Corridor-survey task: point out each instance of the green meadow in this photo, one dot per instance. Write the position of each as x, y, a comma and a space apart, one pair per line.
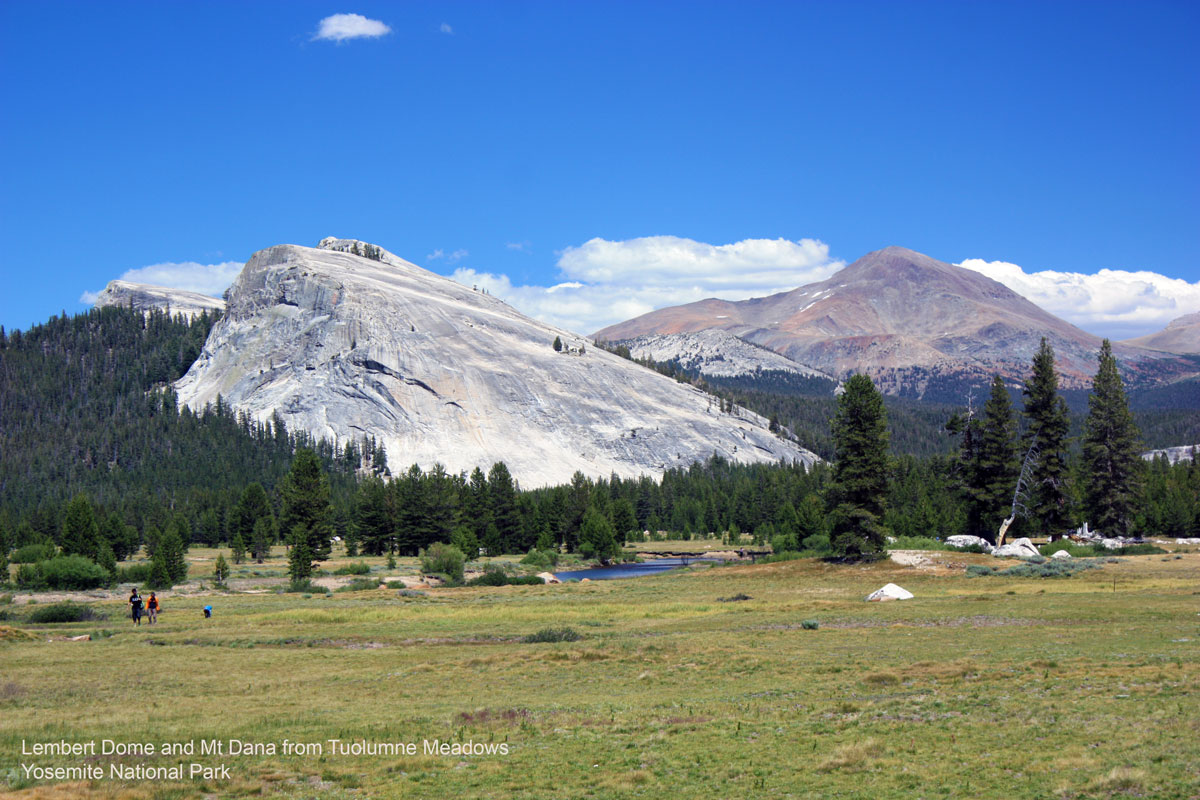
979, 687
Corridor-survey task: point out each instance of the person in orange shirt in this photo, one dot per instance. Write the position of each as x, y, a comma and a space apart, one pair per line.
152, 608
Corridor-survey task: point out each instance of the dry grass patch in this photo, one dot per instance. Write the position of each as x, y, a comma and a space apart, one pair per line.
881, 678
852, 756
1120, 779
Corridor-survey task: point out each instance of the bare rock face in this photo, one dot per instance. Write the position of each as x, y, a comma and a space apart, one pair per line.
347, 340
144, 297
906, 319
717, 353
1174, 454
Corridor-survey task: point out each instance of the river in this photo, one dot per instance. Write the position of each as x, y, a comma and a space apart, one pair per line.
632, 570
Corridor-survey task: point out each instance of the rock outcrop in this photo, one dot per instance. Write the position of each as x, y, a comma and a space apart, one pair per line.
347, 340
887, 592
1174, 454
1021, 548
144, 297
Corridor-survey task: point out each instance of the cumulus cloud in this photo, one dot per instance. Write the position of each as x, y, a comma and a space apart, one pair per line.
446, 29
342, 27
209, 279
605, 282
1111, 302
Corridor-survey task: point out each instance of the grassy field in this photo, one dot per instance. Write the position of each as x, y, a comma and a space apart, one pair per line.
986, 687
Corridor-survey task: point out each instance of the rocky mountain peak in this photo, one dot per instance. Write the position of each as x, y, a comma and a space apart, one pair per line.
346, 344
144, 297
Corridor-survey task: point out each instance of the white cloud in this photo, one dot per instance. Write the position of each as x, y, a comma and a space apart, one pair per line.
606, 282
1111, 302
446, 29
520, 247
457, 255
209, 279
341, 27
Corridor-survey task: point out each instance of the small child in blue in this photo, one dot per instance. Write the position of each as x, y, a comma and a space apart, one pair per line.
207, 612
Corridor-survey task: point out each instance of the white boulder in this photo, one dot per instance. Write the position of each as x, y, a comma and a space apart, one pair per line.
1021, 548
548, 577
1061, 554
889, 592
968, 541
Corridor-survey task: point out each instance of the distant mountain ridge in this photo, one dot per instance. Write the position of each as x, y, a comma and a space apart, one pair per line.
346, 340
909, 321
1182, 335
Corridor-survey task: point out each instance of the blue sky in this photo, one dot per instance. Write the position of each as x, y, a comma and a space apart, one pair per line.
641, 153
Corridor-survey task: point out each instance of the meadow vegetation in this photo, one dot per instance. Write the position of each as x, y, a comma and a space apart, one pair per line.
1004, 687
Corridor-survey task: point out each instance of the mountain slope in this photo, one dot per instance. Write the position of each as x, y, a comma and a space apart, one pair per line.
144, 297
906, 319
347, 339
715, 353
1182, 335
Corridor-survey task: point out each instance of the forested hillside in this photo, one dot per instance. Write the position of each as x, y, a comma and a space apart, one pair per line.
89, 427
86, 407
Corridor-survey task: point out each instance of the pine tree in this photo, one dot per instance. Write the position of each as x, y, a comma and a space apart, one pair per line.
80, 533
1110, 451
860, 473
305, 496
558, 345
1049, 423
596, 538
374, 518
252, 506
503, 501
262, 538
237, 548
300, 557
221, 570
988, 463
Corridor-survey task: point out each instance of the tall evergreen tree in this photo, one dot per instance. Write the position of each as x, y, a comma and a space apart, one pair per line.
502, 495
1049, 424
305, 496
252, 506
986, 469
860, 473
1110, 451
374, 518
80, 532
300, 555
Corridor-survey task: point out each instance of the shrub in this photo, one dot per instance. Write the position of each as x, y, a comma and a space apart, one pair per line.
444, 558
33, 553
553, 635
63, 612
810, 624
29, 576
1046, 569
304, 585
410, 593
737, 598
541, 559
357, 568
918, 543
136, 573
496, 578
359, 585
73, 573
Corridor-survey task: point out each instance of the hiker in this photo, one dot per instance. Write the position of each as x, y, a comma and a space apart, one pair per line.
135, 606
207, 612
152, 608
